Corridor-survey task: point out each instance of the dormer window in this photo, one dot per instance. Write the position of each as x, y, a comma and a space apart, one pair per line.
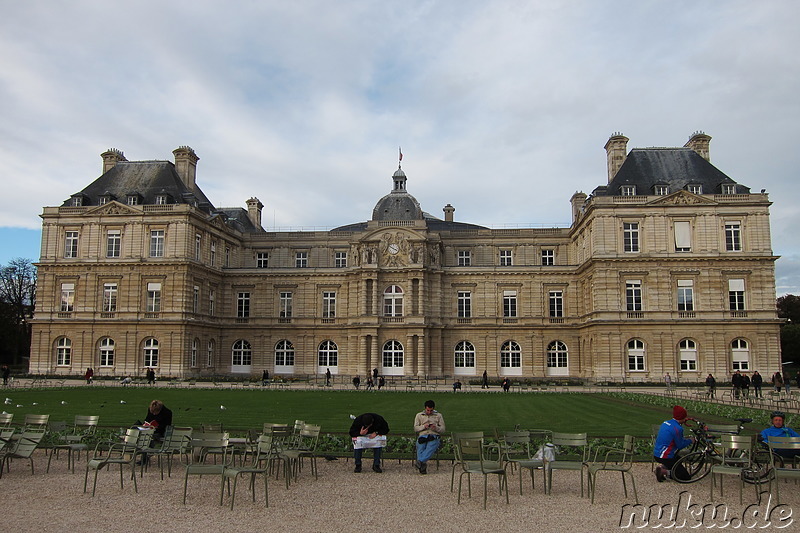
133, 199
728, 188
627, 190
77, 201
161, 199
661, 190
694, 188
103, 200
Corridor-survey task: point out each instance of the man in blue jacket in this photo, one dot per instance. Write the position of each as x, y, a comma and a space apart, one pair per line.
777, 429
670, 439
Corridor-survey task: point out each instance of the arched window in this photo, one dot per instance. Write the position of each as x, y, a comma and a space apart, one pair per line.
193, 355
687, 349
393, 301
510, 355
465, 357
210, 353
636, 355
284, 357
151, 353
393, 358
107, 346
557, 359
328, 354
740, 355
242, 356
63, 352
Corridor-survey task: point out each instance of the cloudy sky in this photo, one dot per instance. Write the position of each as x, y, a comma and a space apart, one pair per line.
502, 108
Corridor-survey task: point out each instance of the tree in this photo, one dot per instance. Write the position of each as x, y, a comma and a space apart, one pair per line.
789, 307
17, 300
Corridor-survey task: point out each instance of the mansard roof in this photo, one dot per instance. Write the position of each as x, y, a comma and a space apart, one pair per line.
238, 218
676, 167
147, 180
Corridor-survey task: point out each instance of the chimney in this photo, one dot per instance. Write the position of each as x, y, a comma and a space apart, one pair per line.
699, 142
616, 150
448, 212
111, 157
254, 207
186, 165
577, 201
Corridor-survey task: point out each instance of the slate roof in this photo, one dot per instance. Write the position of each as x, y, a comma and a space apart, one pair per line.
239, 219
675, 167
433, 223
147, 179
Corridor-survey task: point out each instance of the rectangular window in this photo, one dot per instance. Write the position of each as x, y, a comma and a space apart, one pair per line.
340, 259
635, 361
661, 190
211, 300
109, 297
161, 200
133, 200
193, 362
548, 257
509, 304
213, 258
464, 258
301, 259
736, 294
77, 201
328, 304
506, 258
227, 256
728, 188
464, 304
113, 243
695, 189
195, 299
153, 297
627, 190
685, 295
157, 243
262, 259
556, 304
71, 244
243, 305
285, 305
198, 241
633, 295
630, 237
733, 236
683, 236
67, 297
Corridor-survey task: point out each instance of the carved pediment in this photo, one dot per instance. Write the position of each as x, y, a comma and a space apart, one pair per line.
682, 198
113, 208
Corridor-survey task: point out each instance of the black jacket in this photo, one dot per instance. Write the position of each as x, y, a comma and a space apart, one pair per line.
164, 419
379, 425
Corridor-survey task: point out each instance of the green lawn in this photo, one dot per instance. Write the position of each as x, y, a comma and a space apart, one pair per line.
598, 415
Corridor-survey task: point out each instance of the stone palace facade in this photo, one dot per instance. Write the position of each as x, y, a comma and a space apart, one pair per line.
667, 267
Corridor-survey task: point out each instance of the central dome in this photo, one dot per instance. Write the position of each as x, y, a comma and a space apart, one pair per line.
398, 204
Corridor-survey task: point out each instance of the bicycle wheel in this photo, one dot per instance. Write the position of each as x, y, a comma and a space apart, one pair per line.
696, 464
761, 471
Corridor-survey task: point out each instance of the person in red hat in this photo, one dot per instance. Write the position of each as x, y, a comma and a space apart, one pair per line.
670, 439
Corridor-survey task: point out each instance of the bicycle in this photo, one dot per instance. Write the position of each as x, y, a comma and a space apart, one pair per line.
705, 452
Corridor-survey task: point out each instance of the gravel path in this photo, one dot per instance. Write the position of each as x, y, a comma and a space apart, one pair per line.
398, 500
